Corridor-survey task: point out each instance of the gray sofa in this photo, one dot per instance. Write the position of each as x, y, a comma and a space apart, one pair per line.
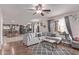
30, 39
75, 44
72, 42
33, 38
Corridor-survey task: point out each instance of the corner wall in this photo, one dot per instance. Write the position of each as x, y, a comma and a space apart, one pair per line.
74, 22
1, 24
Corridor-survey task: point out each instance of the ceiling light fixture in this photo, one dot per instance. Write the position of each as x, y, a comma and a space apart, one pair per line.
38, 11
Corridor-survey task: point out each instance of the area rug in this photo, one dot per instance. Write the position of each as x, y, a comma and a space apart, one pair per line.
39, 49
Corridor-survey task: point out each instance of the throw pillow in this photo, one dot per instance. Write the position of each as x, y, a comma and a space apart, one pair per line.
76, 38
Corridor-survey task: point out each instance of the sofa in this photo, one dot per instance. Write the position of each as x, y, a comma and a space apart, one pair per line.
30, 39
75, 42
33, 38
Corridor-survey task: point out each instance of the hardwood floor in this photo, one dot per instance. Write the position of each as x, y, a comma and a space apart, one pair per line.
13, 39
15, 48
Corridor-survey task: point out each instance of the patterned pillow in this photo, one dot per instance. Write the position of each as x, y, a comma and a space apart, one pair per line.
76, 38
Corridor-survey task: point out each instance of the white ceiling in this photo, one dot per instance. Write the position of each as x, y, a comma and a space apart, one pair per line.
18, 13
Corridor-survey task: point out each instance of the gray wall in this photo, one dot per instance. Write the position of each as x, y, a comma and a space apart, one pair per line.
44, 29
74, 22
1, 21
0, 32
52, 26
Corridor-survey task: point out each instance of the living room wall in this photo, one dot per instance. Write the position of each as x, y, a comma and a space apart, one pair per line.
1, 21
74, 22
43, 26
0, 31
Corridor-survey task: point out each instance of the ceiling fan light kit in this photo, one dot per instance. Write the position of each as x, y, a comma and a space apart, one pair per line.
39, 9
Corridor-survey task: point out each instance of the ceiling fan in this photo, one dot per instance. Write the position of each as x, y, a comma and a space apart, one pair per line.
39, 9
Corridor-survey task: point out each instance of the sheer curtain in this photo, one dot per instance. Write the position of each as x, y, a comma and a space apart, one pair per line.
62, 25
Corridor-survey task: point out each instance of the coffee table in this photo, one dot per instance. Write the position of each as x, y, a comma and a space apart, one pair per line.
49, 42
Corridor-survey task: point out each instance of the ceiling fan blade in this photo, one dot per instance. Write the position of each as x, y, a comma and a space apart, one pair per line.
30, 9
42, 14
47, 10
39, 6
34, 13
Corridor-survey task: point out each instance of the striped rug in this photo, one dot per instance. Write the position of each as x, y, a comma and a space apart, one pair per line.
39, 49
